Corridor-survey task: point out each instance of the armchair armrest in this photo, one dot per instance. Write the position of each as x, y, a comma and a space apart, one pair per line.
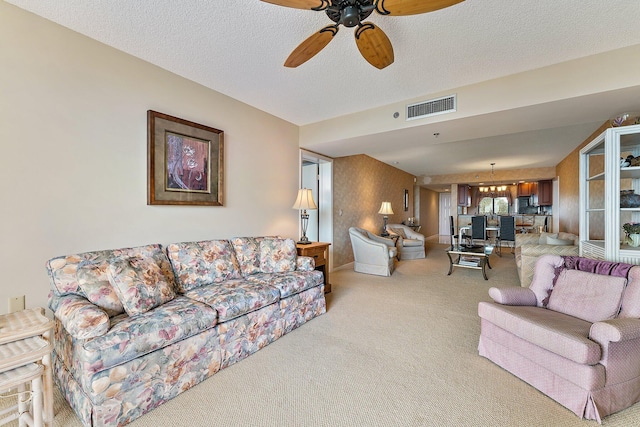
615, 330
513, 296
81, 318
527, 239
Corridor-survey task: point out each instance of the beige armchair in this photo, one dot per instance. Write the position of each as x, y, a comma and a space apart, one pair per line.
410, 243
372, 254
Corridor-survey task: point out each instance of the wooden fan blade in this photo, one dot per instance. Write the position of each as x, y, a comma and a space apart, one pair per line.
301, 4
374, 45
412, 7
311, 46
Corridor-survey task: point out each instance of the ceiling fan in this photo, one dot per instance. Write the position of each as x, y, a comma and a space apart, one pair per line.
372, 42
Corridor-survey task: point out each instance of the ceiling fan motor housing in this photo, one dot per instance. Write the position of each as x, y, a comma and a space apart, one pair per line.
350, 12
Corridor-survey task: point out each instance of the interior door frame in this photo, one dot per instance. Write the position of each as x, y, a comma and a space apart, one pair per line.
324, 196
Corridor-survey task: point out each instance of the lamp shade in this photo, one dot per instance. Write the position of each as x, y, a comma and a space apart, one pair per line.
385, 209
304, 200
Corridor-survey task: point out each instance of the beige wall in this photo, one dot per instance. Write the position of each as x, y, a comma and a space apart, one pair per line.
73, 136
361, 184
568, 171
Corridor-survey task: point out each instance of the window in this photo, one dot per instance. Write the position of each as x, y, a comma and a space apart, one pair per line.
493, 206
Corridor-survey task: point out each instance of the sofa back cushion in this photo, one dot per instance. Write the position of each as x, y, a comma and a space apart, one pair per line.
202, 263
587, 296
141, 283
278, 255
85, 274
247, 251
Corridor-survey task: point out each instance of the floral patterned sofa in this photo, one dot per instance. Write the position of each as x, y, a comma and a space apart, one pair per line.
135, 327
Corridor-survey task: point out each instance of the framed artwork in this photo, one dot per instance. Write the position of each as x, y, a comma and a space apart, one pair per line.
185, 162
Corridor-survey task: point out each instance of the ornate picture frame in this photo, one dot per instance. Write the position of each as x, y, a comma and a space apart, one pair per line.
185, 162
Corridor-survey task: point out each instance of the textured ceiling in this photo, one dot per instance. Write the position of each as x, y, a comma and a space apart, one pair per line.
238, 48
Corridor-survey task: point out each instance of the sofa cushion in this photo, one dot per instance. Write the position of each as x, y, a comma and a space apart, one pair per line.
203, 263
247, 251
63, 270
234, 298
587, 296
94, 282
278, 255
132, 337
289, 283
140, 284
412, 243
564, 335
559, 242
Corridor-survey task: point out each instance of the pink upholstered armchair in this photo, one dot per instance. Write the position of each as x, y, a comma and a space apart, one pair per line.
574, 334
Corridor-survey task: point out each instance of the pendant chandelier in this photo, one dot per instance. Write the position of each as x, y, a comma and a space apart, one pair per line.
493, 188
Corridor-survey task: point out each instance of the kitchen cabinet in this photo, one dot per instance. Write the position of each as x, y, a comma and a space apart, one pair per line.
464, 195
527, 189
601, 180
545, 193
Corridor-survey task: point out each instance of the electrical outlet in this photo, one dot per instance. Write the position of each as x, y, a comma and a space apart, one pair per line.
16, 303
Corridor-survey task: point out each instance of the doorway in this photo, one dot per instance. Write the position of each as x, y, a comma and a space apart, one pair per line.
316, 173
444, 231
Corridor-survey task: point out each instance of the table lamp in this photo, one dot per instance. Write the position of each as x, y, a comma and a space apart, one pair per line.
385, 211
303, 202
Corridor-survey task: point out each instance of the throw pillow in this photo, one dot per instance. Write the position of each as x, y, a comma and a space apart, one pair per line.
559, 242
399, 232
93, 281
140, 284
588, 296
278, 255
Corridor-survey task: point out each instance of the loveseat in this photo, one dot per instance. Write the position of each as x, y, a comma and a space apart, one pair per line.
410, 243
135, 327
529, 247
574, 334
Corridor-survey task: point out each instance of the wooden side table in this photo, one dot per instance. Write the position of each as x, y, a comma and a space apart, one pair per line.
319, 251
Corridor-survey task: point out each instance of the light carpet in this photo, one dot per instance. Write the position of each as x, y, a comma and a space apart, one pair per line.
390, 351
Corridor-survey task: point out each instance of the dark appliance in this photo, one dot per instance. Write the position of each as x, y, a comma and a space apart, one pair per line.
526, 206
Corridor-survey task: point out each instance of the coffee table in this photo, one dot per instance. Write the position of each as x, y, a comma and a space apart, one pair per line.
474, 257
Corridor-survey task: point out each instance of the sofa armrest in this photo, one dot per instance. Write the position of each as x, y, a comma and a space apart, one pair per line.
305, 263
513, 296
80, 318
538, 250
615, 330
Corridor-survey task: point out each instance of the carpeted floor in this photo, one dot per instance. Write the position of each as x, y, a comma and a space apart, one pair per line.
390, 351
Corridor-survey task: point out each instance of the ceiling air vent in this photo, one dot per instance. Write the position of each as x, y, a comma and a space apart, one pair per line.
446, 104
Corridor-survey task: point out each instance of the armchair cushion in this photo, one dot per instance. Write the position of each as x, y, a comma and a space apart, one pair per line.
397, 230
587, 296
